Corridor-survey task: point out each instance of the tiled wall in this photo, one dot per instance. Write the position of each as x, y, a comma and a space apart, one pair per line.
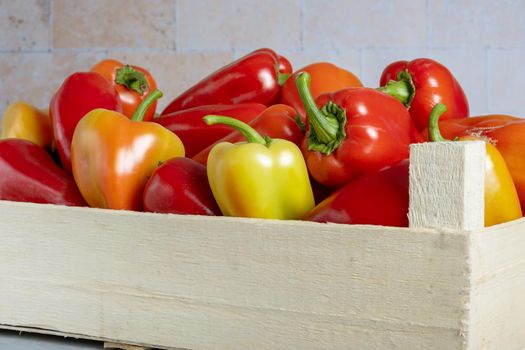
481, 41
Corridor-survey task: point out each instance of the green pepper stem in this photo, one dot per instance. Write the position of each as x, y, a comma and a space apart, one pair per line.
282, 78
434, 134
251, 135
402, 89
138, 116
327, 126
132, 79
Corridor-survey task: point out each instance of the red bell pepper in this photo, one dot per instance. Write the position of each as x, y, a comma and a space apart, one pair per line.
180, 186
376, 199
195, 134
505, 132
255, 77
277, 121
421, 84
352, 132
284, 67
79, 94
29, 174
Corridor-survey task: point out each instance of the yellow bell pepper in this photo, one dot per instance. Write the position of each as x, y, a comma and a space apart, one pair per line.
23, 121
263, 178
502, 203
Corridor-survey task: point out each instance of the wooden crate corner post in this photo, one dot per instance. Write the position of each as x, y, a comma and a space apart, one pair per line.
447, 185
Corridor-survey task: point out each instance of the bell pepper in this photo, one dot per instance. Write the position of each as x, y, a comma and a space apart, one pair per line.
284, 66
505, 132
196, 135
23, 121
29, 174
133, 84
113, 156
252, 78
356, 131
79, 94
325, 77
277, 121
263, 178
180, 186
380, 198
502, 203
422, 83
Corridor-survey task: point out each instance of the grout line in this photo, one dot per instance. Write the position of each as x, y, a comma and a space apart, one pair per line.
361, 64
428, 27
488, 71
50, 25
302, 25
176, 7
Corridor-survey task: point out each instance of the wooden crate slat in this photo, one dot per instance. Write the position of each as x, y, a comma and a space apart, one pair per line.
196, 283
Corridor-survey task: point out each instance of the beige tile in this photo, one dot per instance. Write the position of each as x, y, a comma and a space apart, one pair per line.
24, 24
35, 77
240, 24
175, 72
505, 82
115, 23
338, 24
477, 23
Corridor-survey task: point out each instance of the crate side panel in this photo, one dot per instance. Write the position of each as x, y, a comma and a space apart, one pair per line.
497, 310
225, 283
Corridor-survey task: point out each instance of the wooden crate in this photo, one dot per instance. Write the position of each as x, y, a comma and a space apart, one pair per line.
191, 282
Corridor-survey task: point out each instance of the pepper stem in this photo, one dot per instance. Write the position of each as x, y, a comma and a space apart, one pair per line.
327, 126
402, 89
282, 78
434, 134
251, 135
132, 79
138, 116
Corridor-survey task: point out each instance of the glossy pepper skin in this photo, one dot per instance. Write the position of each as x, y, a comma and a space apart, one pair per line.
277, 121
421, 84
113, 156
352, 132
507, 133
325, 77
79, 94
263, 178
180, 186
29, 174
195, 134
133, 84
23, 121
501, 198
379, 198
252, 78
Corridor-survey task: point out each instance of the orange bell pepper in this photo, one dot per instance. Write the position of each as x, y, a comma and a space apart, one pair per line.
113, 156
326, 77
501, 198
505, 132
23, 121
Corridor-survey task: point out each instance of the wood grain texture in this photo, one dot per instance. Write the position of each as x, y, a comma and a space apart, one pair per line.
120, 346
228, 283
447, 185
497, 307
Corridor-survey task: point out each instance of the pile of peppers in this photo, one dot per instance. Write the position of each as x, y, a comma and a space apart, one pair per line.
255, 138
